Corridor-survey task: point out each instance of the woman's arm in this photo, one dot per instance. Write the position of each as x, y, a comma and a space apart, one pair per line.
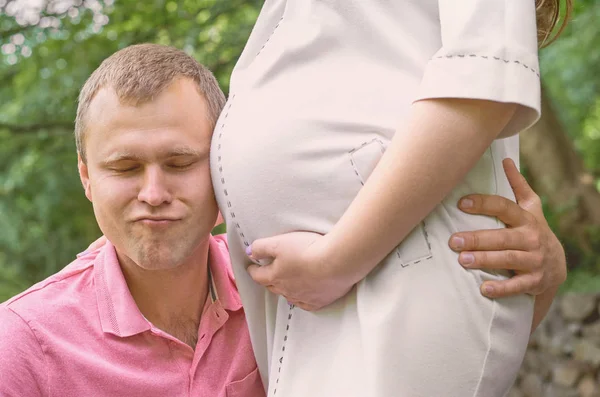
440, 143
482, 83
426, 159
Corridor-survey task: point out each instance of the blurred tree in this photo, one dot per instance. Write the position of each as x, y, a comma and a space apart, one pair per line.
562, 151
49, 47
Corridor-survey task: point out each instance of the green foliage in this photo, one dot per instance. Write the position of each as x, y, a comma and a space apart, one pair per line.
45, 218
46, 56
582, 281
570, 71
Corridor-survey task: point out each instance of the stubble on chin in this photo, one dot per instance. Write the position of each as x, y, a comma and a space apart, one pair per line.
157, 254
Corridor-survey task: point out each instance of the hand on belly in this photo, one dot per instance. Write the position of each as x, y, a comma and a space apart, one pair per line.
299, 269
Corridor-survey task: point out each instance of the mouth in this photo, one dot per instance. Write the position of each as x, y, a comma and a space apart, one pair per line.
156, 222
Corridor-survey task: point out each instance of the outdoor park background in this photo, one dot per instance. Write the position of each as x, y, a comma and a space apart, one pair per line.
49, 48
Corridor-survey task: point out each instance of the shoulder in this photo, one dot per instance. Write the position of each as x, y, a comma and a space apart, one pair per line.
43, 299
12, 326
17, 339
22, 360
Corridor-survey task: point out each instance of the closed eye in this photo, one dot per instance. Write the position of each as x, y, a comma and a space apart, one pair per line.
123, 170
181, 166
123, 166
182, 162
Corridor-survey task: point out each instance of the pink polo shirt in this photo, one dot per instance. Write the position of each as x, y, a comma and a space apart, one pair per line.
80, 333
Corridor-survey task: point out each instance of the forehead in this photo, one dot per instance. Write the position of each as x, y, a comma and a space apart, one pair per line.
175, 118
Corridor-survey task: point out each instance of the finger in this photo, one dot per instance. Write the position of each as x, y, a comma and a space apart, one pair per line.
517, 285
307, 307
290, 301
517, 181
497, 260
500, 207
274, 290
525, 195
489, 240
261, 274
263, 248
294, 302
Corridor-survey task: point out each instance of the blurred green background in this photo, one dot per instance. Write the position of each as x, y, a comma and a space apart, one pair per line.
48, 48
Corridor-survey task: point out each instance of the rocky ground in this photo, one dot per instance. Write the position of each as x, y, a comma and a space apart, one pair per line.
563, 358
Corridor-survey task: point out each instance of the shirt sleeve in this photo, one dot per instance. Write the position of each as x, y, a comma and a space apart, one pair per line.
489, 52
22, 365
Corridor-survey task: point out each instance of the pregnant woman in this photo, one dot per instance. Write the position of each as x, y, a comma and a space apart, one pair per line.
360, 124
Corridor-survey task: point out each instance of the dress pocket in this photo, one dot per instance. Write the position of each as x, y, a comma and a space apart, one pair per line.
415, 247
250, 386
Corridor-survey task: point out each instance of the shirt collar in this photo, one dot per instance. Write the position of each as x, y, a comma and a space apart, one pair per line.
222, 281
119, 314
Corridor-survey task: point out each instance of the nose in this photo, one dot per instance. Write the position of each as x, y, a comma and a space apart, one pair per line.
154, 190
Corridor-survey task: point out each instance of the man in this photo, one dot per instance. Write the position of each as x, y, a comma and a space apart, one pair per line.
154, 311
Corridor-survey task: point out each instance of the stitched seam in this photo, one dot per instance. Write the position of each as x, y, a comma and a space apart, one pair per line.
274, 29
489, 349
230, 206
222, 177
423, 258
366, 143
351, 152
426, 235
40, 286
39, 344
285, 338
490, 58
220, 163
414, 261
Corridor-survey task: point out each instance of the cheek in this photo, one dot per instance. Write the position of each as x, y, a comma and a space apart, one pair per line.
202, 191
112, 196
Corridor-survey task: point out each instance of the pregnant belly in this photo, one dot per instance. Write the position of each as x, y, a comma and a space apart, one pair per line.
291, 150
275, 172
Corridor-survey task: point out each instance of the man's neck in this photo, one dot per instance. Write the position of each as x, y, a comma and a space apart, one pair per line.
172, 300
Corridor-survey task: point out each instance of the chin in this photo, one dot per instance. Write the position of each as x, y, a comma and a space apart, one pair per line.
161, 259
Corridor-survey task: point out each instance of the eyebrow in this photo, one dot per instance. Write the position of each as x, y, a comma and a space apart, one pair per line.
129, 156
183, 151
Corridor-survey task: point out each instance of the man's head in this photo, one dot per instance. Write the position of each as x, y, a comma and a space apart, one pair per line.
143, 130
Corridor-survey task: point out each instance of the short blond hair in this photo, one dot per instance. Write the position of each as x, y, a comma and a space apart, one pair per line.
139, 73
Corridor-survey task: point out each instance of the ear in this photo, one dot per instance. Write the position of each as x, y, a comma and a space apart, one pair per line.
84, 176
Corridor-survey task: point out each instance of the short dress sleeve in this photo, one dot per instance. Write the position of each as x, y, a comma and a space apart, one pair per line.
489, 51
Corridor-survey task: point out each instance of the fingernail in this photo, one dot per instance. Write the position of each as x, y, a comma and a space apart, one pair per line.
457, 242
82, 253
488, 290
466, 203
466, 259
249, 250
